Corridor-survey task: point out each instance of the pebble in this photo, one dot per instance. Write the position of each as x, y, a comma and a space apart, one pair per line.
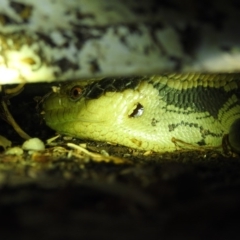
34, 144
14, 151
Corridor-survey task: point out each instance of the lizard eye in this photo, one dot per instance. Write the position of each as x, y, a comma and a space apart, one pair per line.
75, 93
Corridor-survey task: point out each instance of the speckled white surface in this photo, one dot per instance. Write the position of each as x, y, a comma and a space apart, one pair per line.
58, 40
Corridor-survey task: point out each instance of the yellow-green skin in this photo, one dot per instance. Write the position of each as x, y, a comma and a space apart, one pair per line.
111, 117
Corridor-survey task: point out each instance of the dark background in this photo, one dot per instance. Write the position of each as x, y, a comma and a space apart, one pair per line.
183, 195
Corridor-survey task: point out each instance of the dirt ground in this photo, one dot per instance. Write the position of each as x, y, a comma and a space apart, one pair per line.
112, 191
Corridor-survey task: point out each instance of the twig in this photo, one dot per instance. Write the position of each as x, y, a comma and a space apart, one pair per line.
98, 157
12, 122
